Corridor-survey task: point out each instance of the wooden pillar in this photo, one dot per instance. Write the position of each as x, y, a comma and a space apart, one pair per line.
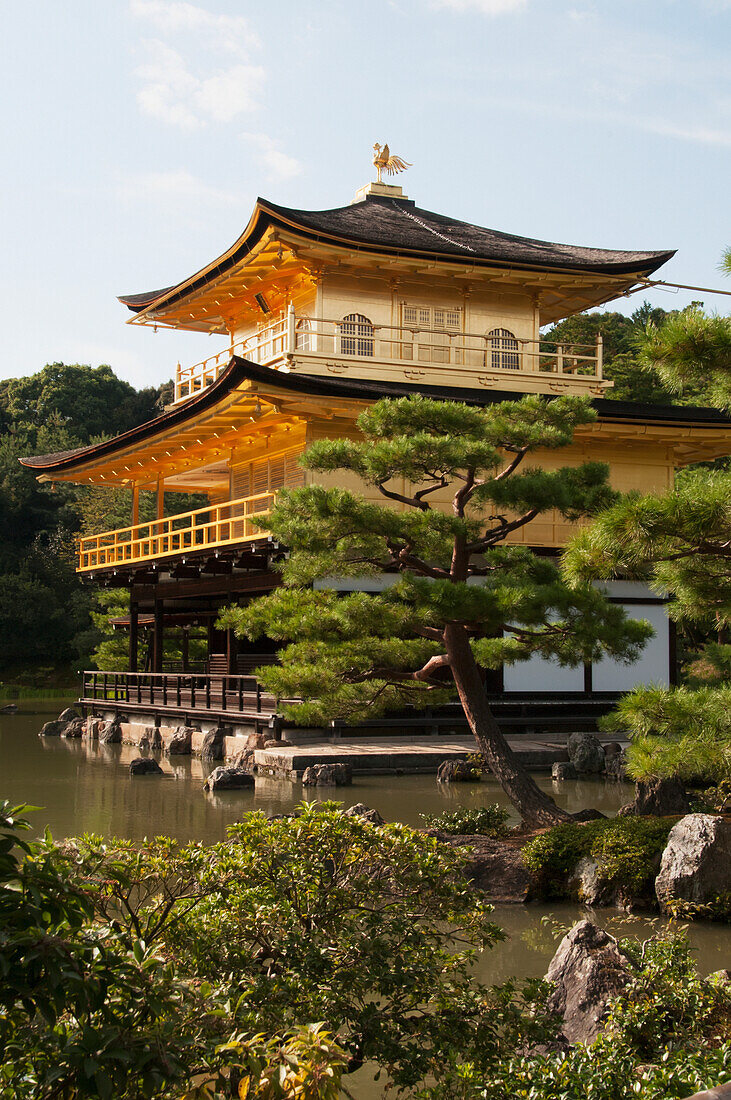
231, 651
160, 498
133, 635
185, 649
135, 505
158, 639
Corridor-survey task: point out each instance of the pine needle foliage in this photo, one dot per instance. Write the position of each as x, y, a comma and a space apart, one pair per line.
691, 348
461, 596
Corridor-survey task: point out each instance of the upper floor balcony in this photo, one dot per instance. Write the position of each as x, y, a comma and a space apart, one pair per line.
429, 348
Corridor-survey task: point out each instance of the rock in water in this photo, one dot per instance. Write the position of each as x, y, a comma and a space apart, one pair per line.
180, 744
585, 753
144, 765
365, 813
214, 743
559, 770
494, 867
328, 775
456, 771
228, 779
695, 868
111, 733
659, 797
9, 708
52, 729
588, 970
244, 760
68, 715
73, 728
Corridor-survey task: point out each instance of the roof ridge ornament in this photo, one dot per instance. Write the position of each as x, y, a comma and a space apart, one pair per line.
386, 162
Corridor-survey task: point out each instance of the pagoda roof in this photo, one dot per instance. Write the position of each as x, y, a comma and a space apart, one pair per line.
240, 370
384, 224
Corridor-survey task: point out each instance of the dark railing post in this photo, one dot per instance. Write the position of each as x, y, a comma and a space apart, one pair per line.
241, 693
192, 692
208, 692
178, 681
224, 685
138, 681
258, 697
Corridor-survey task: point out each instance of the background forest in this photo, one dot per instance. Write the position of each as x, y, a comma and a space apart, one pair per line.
51, 624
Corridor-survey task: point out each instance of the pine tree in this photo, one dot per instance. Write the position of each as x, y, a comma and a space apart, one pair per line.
462, 599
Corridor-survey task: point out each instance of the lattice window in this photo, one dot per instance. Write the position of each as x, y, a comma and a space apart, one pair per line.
268, 474
504, 349
356, 335
303, 335
433, 339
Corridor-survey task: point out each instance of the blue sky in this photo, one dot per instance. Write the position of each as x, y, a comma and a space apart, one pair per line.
136, 135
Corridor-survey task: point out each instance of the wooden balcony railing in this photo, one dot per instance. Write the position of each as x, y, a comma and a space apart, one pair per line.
186, 691
406, 349
205, 528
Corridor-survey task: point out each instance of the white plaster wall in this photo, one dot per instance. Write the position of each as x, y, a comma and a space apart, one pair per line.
540, 674
653, 666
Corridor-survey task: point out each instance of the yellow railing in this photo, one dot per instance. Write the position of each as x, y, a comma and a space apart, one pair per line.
205, 528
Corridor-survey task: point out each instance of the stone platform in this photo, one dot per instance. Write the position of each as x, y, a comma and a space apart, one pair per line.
410, 755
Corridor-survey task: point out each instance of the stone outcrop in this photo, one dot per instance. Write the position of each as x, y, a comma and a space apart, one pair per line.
456, 771
181, 742
9, 708
214, 743
328, 775
585, 753
68, 715
615, 767
695, 869
495, 867
588, 971
228, 779
145, 765
365, 813
561, 770
658, 797
93, 728
244, 760
257, 740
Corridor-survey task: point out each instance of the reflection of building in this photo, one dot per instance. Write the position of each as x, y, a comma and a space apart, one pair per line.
324, 312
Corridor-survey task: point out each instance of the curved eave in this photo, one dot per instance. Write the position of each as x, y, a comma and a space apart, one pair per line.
241, 370
268, 215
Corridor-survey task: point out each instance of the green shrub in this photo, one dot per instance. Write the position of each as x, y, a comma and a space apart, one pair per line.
484, 820
625, 849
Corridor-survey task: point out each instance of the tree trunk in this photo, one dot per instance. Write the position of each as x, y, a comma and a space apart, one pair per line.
535, 807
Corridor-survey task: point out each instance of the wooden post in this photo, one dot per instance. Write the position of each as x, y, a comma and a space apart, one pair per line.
599, 355
160, 498
157, 639
291, 330
133, 635
135, 505
231, 650
184, 648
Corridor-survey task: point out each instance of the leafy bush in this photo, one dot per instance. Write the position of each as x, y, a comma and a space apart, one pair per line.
464, 821
667, 1035
625, 848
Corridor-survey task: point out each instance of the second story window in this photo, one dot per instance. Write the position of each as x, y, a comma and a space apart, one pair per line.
304, 342
504, 349
356, 335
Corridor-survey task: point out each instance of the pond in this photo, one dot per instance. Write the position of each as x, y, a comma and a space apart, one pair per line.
86, 787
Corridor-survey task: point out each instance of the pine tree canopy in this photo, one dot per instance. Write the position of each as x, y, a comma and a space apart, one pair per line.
453, 576
683, 535
689, 350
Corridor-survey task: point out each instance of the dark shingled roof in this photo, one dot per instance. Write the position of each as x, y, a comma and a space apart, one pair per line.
358, 389
383, 224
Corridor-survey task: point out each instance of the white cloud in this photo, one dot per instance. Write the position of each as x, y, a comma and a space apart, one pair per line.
267, 154
189, 77
229, 32
178, 186
484, 7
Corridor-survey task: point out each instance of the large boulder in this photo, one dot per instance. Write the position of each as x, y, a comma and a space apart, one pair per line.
365, 813
456, 771
257, 740
68, 715
93, 728
9, 708
494, 867
245, 760
588, 971
585, 753
145, 765
328, 775
695, 869
228, 779
214, 743
181, 742
659, 798
111, 732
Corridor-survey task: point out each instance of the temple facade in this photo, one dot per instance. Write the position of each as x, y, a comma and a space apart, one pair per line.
323, 313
